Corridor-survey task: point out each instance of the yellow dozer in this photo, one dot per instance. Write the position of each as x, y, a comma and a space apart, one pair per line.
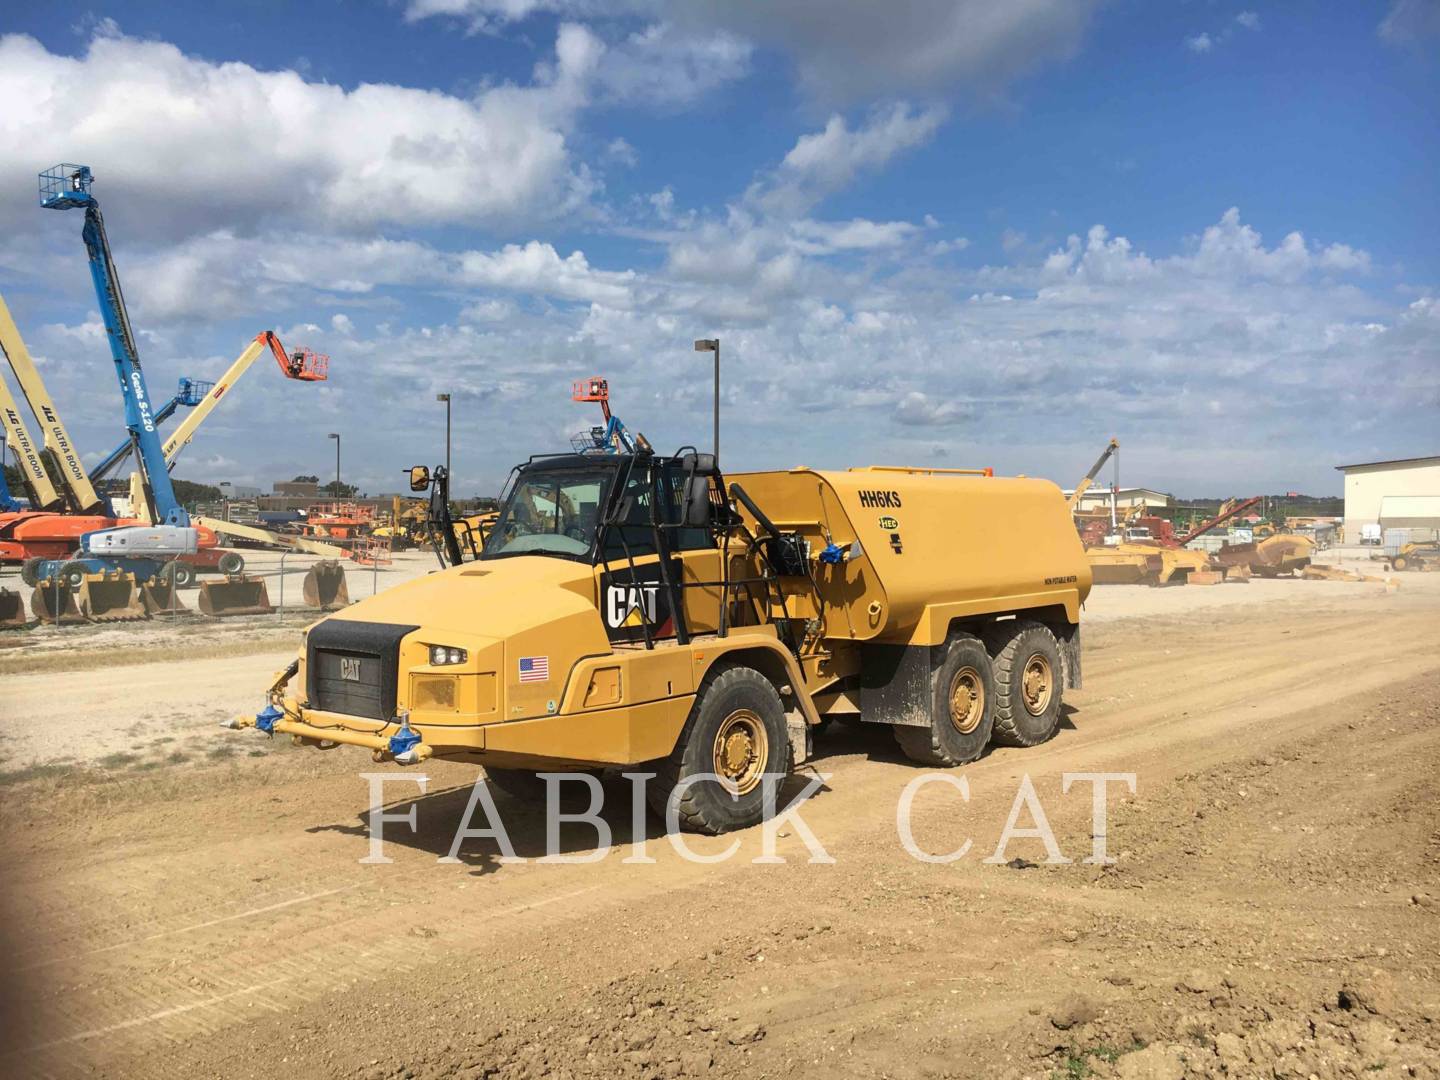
633, 609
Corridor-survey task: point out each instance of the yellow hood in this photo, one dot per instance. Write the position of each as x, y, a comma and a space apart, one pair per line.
496, 598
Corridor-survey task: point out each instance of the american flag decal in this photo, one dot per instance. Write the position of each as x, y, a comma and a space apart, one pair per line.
534, 669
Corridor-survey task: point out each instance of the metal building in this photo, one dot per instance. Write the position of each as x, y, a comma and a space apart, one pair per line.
1400, 494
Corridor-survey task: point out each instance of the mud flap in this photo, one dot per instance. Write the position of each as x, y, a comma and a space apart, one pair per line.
53, 601
235, 596
12, 611
799, 731
325, 587
160, 597
895, 686
112, 596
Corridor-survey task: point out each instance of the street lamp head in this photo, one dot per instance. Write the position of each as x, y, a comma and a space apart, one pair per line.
333, 435
442, 397
707, 345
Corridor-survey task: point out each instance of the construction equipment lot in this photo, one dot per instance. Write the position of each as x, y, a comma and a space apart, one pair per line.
1275, 906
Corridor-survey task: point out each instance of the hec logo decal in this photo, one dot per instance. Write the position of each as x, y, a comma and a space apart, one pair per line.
889, 524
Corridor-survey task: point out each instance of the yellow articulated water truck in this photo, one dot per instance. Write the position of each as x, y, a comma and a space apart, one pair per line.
634, 609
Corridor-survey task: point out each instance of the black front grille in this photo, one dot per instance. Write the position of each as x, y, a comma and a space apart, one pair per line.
353, 667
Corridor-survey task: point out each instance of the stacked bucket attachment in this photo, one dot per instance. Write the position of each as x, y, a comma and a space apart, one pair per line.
110, 596
325, 587
12, 611
54, 601
160, 597
235, 595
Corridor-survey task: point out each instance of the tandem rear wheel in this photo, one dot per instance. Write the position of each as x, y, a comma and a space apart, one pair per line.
962, 708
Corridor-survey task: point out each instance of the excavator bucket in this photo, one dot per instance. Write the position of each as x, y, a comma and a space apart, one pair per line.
236, 595
113, 596
325, 586
12, 611
53, 601
161, 598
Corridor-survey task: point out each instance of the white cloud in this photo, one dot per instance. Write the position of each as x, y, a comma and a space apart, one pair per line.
1250, 20
1200, 43
537, 268
185, 141
855, 49
1410, 21
859, 234
823, 162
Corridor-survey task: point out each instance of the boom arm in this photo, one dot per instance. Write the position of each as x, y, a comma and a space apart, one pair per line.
186, 431
1225, 515
27, 454
68, 186
32, 386
1089, 477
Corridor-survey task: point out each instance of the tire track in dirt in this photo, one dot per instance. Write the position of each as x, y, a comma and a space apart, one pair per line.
145, 1002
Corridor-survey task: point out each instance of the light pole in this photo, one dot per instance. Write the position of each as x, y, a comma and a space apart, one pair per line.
446, 399
336, 437
713, 345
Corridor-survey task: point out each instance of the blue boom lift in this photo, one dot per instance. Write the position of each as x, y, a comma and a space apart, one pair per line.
140, 550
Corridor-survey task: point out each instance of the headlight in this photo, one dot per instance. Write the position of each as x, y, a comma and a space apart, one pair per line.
442, 655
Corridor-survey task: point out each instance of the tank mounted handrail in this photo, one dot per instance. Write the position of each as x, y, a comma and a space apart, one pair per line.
914, 470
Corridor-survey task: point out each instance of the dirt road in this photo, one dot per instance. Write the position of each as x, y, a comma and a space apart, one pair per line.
1274, 908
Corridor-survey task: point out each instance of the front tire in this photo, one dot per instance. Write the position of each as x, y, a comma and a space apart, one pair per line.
962, 708
1029, 681
1400, 562
230, 563
72, 573
736, 730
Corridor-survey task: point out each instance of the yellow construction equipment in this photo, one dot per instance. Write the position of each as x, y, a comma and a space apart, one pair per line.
110, 596
57, 439
12, 610
233, 595
43, 495
1089, 478
1416, 556
324, 588
631, 608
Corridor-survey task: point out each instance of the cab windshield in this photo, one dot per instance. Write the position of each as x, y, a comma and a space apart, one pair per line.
551, 512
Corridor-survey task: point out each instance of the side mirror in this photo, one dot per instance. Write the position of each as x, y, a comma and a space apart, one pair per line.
419, 477
697, 501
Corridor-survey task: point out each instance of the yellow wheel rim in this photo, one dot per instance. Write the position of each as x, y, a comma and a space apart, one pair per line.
1038, 684
741, 750
967, 700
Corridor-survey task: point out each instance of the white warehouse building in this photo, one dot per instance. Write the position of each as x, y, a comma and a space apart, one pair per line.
1400, 494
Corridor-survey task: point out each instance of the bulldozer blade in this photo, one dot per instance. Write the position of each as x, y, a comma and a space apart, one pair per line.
12, 611
236, 595
54, 602
110, 597
161, 598
325, 586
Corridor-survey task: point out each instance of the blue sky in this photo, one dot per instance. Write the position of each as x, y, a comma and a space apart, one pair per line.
940, 232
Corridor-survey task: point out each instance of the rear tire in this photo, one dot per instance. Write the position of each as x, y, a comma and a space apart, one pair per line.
962, 708
230, 563
736, 729
180, 575
30, 570
1029, 683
